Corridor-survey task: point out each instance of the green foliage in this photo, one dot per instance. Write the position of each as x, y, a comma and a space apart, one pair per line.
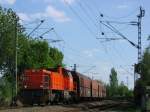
56, 56
144, 80
113, 82
124, 91
145, 68
37, 54
8, 20
6, 90
114, 89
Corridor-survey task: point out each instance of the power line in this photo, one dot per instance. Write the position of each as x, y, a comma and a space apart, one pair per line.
89, 69
82, 21
111, 17
109, 26
117, 22
119, 55
126, 71
91, 8
87, 14
41, 36
41, 22
108, 55
115, 49
80, 18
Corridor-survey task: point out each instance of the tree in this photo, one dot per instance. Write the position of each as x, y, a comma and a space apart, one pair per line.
145, 68
114, 89
144, 80
8, 20
113, 82
36, 55
124, 91
56, 57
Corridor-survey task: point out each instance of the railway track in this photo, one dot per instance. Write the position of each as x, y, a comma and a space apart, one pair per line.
94, 106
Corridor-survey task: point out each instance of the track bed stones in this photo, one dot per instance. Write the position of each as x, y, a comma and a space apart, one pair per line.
43, 109
94, 106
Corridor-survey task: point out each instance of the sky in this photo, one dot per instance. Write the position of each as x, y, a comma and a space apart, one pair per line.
77, 23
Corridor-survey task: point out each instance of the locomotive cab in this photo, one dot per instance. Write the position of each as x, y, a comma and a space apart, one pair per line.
35, 84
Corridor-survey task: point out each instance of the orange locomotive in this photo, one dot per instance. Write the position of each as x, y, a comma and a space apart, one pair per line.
58, 85
44, 86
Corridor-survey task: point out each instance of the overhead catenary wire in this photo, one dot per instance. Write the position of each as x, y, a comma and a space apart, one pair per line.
41, 22
118, 54
80, 18
111, 17
41, 36
92, 67
87, 14
117, 22
108, 25
108, 55
116, 31
82, 21
91, 9
127, 71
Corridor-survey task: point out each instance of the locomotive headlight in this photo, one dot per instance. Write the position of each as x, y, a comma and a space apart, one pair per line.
25, 86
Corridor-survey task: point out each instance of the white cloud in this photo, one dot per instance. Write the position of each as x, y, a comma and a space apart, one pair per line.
24, 17
10, 2
56, 14
50, 12
122, 6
